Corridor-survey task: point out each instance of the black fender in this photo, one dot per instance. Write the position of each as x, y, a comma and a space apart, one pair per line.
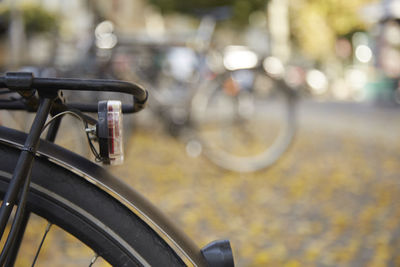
95, 174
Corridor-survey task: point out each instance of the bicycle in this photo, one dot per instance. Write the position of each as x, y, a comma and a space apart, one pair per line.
245, 117
37, 176
153, 62
241, 118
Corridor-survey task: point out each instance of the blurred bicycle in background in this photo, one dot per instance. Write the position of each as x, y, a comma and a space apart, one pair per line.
237, 107
232, 108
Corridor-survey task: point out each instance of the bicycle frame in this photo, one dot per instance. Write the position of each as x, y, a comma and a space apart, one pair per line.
21, 176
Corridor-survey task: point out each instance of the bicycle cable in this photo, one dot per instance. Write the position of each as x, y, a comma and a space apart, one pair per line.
75, 114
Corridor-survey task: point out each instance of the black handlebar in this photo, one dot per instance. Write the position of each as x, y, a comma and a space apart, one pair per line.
25, 81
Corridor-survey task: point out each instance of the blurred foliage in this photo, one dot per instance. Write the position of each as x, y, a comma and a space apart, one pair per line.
36, 18
4, 21
240, 9
316, 24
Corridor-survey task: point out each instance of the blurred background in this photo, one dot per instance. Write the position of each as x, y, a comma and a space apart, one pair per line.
309, 178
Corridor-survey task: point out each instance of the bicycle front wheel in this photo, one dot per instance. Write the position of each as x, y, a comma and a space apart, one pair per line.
243, 123
90, 214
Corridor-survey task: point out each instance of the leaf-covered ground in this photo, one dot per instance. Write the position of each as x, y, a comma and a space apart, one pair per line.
332, 200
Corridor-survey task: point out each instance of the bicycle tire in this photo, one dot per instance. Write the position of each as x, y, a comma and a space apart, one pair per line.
90, 214
250, 163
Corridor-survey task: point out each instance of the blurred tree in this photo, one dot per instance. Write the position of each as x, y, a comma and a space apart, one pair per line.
316, 24
4, 20
3, 25
36, 19
240, 9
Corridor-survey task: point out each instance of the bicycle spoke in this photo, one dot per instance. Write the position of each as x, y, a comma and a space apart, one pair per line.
41, 243
93, 260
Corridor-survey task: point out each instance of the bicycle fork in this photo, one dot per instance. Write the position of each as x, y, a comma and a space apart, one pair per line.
19, 184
